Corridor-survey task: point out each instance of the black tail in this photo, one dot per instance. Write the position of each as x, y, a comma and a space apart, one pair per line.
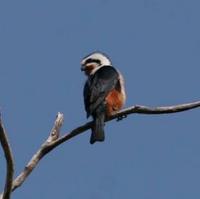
98, 129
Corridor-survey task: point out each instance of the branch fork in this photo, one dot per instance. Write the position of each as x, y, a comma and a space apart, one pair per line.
54, 140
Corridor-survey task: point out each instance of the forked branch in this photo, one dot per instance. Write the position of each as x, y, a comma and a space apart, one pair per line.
54, 140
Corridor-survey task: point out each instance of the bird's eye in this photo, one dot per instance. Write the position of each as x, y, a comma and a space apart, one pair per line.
88, 61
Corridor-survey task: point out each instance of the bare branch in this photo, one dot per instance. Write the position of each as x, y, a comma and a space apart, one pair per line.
54, 135
53, 141
9, 162
124, 113
157, 110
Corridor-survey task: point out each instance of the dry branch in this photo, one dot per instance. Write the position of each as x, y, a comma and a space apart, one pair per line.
53, 141
54, 134
9, 162
124, 113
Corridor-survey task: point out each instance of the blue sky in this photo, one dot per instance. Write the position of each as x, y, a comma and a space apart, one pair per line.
154, 43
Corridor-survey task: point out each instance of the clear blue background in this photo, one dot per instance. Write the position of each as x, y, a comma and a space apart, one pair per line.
156, 45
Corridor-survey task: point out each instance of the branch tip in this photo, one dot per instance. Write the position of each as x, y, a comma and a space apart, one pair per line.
55, 132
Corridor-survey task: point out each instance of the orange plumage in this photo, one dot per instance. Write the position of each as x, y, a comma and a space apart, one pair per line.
114, 102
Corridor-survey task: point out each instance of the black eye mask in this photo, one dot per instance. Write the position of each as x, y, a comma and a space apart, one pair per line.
92, 61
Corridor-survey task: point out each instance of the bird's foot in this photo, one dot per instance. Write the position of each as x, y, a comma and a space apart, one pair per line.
121, 117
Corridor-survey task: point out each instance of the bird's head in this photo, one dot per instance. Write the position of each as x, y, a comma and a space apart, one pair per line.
92, 62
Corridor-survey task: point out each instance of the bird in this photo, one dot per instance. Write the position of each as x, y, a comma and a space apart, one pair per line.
104, 91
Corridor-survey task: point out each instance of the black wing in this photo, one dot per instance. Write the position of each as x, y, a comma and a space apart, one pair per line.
98, 86
86, 94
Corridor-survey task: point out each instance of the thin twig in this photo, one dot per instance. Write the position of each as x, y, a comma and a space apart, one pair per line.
9, 163
51, 144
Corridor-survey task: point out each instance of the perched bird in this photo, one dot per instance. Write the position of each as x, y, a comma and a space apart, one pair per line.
104, 91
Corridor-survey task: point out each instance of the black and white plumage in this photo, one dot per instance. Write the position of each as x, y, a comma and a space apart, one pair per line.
104, 91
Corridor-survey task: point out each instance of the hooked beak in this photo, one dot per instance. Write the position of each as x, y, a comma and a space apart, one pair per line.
82, 67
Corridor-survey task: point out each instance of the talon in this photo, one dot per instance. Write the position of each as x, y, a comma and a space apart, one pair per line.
118, 119
121, 117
